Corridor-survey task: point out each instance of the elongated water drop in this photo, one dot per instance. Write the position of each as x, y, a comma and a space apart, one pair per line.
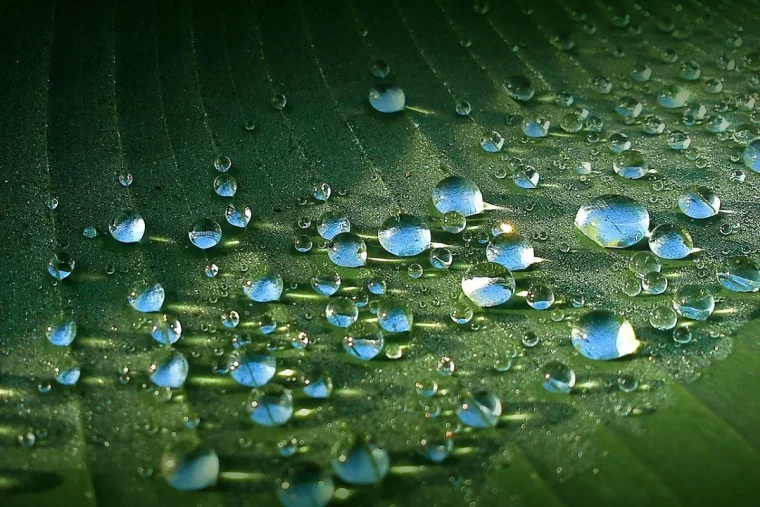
613, 221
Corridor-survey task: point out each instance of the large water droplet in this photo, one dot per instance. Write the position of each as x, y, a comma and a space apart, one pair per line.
347, 250
751, 155
365, 341
519, 88
613, 221
511, 251
169, 369
250, 368
238, 215
333, 223
127, 227
62, 332
602, 335
699, 202
488, 284
61, 265
630, 164
394, 316
146, 297
694, 302
360, 461
671, 241
481, 409
272, 405
205, 233
458, 194
166, 330
404, 235
189, 467
305, 484
263, 287
387, 98
341, 312
739, 274
558, 377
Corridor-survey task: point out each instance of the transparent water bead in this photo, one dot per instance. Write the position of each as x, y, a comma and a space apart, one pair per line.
264, 286
492, 142
322, 192
326, 284
278, 101
463, 108
441, 258
539, 296
613, 221
690, 70
169, 369
62, 332
739, 274
699, 202
751, 155
619, 143
206, 233
511, 250
271, 405
225, 185
654, 125
663, 318
629, 108
251, 368
404, 235
166, 330
377, 286
395, 316
190, 467
387, 98
438, 449
68, 375
642, 263
673, 97
558, 377
318, 385
305, 484
222, 164
694, 302
231, 319
61, 265
364, 341
630, 164
238, 215
654, 283
671, 241
455, 193
679, 140
341, 312
380, 68
602, 335
127, 227
536, 127
453, 222
146, 297
519, 88
526, 177
461, 313
480, 409
488, 284
358, 460
347, 250
333, 223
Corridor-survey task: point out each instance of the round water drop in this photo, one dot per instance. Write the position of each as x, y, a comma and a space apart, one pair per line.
694, 302
404, 235
347, 250
536, 126
630, 164
250, 368
377, 286
263, 287
318, 385
518, 88
225, 185
272, 405
602, 85
526, 177
558, 377
682, 335
322, 192
305, 484
629, 108
303, 243
602, 335
619, 143
436, 449
61, 265
492, 142
642, 263
632, 286
481, 409
238, 215
341, 312
333, 223
739, 274
445, 366
679, 140
690, 70
717, 124
169, 369
166, 330
358, 460
394, 316
751, 155
673, 97
488, 284
365, 341
540, 297
231, 319
699, 202
222, 164
654, 125
463, 108
461, 313
211, 270
441, 258
457, 194
278, 101
68, 375
126, 179
387, 98
453, 222
62, 332
641, 72
90, 232
613, 221
205, 233
511, 251
127, 227
654, 283
381, 69
671, 241
189, 467
146, 297
326, 284
415, 271
663, 318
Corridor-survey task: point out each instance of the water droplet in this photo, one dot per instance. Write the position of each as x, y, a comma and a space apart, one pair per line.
394, 316
404, 235
654, 283
751, 155
613, 221
630, 164
166, 330
230, 319
357, 460
326, 284
278, 101
190, 467
739, 274
632, 286
318, 385
463, 108
264, 286
341, 312
62, 332
511, 251
333, 223
222, 164
518, 88
693, 302
169, 368
642, 263
602, 335
206, 233
225, 185
453, 222
364, 341
536, 126
387, 98
146, 297
481, 409
127, 227
211, 270
492, 142
347, 250
461, 313
682, 335
671, 241
436, 449
305, 484
558, 377
322, 192
250, 368
540, 296
61, 265
526, 177
68, 375
663, 318
458, 194
381, 69
303, 243
125, 180
377, 286
488, 284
